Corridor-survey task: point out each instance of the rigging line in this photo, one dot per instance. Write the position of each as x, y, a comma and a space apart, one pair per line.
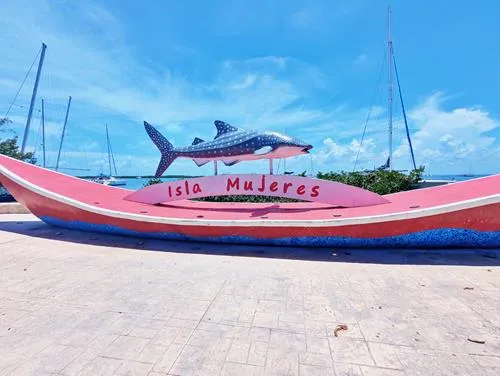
375, 92
404, 112
22, 84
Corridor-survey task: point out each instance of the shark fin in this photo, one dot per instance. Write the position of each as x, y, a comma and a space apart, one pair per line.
230, 162
223, 128
197, 141
168, 154
263, 150
200, 162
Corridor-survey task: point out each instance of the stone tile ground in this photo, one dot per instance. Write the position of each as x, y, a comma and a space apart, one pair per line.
88, 304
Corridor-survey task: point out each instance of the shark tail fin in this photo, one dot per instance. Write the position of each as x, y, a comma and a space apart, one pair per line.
166, 148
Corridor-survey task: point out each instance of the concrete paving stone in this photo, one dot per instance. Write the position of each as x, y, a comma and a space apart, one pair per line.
168, 358
347, 350
238, 353
265, 320
102, 340
215, 357
287, 341
51, 359
182, 323
166, 335
259, 334
487, 361
143, 333
237, 331
375, 371
257, 355
271, 306
80, 362
246, 315
101, 366
237, 369
316, 359
151, 353
189, 361
417, 362
131, 368
308, 370
295, 327
125, 347
204, 337
183, 335
347, 369
315, 328
282, 362
317, 345
385, 355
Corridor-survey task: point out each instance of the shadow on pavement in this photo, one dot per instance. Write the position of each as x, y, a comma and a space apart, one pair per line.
470, 257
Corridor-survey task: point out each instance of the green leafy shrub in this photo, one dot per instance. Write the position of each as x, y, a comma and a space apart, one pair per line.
10, 148
379, 181
153, 181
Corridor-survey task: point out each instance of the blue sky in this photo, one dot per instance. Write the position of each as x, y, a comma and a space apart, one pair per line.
308, 68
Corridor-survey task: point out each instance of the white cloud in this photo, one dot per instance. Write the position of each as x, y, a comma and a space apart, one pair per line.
445, 138
360, 59
88, 58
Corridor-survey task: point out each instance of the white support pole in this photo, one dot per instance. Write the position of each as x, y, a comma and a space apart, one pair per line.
215, 168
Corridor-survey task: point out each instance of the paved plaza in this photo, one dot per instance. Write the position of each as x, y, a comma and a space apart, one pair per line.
74, 303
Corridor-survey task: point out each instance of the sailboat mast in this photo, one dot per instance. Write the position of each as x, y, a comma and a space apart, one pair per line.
109, 151
63, 133
389, 82
43, 131
33, 98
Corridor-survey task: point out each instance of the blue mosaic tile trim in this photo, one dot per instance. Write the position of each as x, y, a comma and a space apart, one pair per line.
440, 238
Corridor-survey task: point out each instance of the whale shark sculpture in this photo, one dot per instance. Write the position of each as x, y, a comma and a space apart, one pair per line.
231, 145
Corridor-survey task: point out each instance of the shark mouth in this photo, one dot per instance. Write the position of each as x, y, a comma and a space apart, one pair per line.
306, 149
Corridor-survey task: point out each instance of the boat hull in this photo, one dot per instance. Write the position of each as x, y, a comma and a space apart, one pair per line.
459, 223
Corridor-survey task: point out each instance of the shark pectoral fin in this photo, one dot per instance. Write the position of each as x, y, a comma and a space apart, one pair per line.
263, 150
200, 162
230, 162
197, 141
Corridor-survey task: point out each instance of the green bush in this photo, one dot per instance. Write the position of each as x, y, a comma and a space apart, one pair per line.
153, 181
10, 148
379, 181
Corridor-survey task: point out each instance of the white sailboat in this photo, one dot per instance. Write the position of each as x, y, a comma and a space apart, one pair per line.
392, 72
109, 179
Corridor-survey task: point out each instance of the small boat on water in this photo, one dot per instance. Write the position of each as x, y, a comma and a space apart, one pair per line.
109, 179
463, 214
